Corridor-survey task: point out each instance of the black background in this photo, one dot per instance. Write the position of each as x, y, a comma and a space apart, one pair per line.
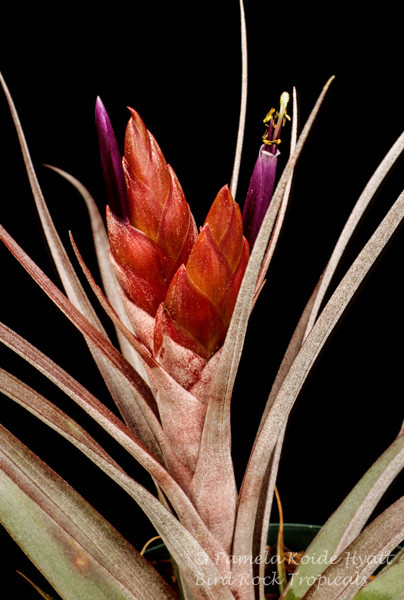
179, 66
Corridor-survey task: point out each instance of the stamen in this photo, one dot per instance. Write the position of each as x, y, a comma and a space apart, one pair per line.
269, 116
270, 142
274, 121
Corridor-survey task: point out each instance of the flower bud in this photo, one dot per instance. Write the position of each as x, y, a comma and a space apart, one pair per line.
110, 161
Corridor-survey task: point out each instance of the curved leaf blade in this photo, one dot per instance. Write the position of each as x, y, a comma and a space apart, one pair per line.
278, 414
109, 281
119, 366
388, 585
196, 565
351, 569
353, 220
164, 521
125, 397
79, 552
91, 405
311, 310
347, 521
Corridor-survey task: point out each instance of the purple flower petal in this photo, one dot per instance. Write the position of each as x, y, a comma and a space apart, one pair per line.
111, 162
259, 193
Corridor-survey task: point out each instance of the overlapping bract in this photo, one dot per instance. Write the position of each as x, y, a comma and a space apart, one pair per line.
201, 298
188, 283
157, 235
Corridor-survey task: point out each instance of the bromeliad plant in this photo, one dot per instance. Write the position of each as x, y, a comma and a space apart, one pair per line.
180, 301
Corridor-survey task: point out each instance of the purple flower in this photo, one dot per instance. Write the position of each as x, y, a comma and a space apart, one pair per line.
262, 182
111, 162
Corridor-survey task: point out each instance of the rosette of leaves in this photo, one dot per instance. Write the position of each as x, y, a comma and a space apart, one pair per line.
180, 302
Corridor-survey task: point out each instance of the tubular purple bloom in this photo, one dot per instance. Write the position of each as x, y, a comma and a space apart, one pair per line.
262, 182
111, 162
259, 192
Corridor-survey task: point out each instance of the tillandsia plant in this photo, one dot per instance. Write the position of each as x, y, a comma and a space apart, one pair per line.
180, 299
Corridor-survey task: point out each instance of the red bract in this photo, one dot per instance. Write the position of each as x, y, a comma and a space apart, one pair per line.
189, 283
137, 261
179, 289
156, 202
200, 300
148, 247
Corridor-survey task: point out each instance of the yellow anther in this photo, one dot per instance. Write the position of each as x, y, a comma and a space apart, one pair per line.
276, 120
269, 116
270, 142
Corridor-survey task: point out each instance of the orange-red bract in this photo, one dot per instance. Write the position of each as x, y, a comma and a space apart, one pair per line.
150, 245
201, 297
